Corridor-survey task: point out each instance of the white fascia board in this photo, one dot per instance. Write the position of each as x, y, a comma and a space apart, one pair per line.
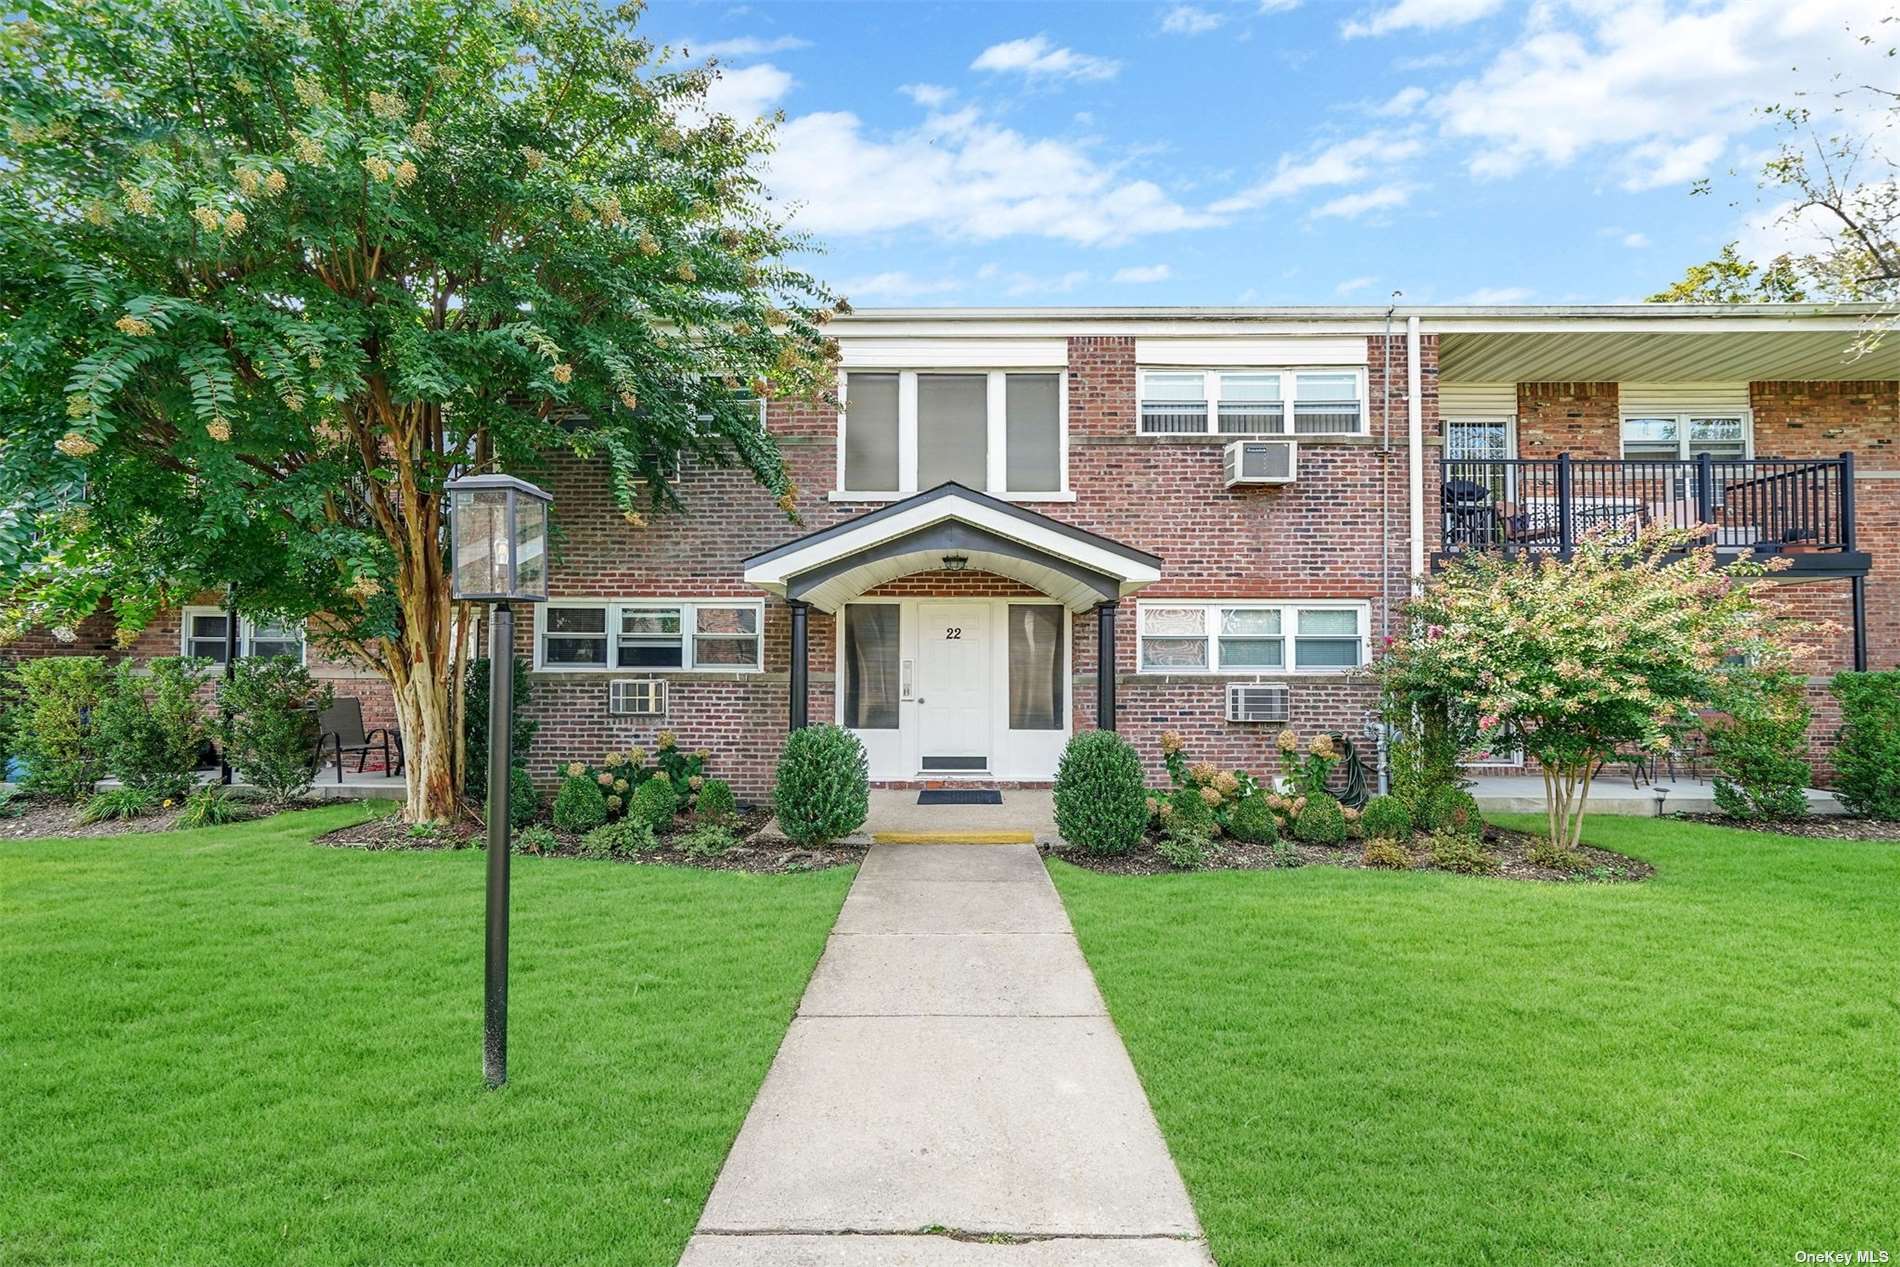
1205, 352
969, 351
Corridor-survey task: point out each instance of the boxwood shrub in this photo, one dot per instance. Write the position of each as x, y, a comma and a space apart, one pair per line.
1387, 818
1252, 820
1450, 809
1100, 800
579, 805
1321, 821
823, 790
654, 803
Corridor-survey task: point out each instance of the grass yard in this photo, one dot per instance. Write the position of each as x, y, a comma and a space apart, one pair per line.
231, 1046
1360, 1067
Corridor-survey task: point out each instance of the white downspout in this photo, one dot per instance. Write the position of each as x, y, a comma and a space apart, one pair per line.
1415, 447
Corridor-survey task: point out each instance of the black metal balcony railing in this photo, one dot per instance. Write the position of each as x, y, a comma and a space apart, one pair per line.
1767, 505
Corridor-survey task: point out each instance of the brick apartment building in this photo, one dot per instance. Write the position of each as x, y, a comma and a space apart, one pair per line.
1231, 501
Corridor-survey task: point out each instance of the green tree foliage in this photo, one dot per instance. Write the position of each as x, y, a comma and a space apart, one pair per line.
1867, 758
275, 271
1760, 746
272, 717
475, 723
1730, 279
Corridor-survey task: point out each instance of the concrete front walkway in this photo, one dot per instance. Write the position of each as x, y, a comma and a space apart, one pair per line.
951, 1093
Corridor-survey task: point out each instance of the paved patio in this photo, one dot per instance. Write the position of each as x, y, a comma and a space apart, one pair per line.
951, 1072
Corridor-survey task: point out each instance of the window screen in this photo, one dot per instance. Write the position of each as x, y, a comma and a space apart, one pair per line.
1250, 639
649, 638
1173, 403
953, 427
277, 640
1032, 403
870, 666
1035, 666
1327, 639
575, 635
206, 637
1325, 404
870, 432
1250, 404
725, 637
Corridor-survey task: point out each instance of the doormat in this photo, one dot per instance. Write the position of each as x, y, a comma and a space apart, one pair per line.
960, 798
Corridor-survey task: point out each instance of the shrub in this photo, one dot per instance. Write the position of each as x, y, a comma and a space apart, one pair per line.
1252, 820
1761, 770
1387, 854
1221, 789
823, 789
707, 840
211, 807
1451, 809
654, 803
579, 806
1867, 759
1386, 817
524, 801
54, 723
1307, 775
118, 804
679, 765
1184, 850
1189, 811
151, 726
271, 721
716, 803
475, 724
1452, 851
629, 835
536, 839
1100, 802
1543, 853
1320, 822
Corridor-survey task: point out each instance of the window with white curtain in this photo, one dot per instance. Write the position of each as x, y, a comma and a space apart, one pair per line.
871, 666
649, 635
996, 431
1253, 402
1251, 637
1683, 437
1035, 666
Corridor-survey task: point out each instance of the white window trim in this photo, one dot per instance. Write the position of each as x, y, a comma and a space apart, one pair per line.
247, 628
996, 416
614, 606
1682, 430
1210, 390
1289, 634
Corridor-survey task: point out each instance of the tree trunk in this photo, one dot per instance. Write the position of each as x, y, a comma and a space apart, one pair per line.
419, 668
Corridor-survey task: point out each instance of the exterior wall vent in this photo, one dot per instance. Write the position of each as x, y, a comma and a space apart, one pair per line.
1262, 462
1258, 702
628, 697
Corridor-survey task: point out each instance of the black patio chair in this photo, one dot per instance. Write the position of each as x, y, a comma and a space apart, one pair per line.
341, 732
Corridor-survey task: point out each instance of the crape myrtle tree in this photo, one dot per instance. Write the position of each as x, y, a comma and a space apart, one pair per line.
1623, 645
270, 273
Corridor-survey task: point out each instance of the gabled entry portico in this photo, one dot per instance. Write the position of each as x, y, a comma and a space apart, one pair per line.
947, 684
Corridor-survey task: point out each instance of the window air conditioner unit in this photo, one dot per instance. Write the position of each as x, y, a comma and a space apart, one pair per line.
1258, 702
636, 698
1263, 462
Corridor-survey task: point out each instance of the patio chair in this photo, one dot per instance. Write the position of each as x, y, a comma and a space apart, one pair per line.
340, 731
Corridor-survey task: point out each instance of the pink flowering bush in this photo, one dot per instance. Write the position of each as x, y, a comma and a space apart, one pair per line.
1618, 646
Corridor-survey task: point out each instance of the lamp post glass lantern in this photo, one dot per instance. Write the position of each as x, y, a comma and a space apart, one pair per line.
498, 531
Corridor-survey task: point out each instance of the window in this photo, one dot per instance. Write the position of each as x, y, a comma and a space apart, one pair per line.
870, 666
649, 634
1252, 637
1035, 666
205, 629
1253, 402
1683, 437
997, 431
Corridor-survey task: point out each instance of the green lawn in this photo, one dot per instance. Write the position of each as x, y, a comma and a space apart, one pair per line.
230, 1046
1360, 1067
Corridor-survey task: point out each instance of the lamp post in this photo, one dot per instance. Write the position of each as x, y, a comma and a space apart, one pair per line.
498, 529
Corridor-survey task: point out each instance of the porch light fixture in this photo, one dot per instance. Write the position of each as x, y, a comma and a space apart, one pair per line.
498, 531
955, 562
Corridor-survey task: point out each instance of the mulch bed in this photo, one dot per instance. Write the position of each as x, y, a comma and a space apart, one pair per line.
1602, 866
1818, 826
57, 820
758, 856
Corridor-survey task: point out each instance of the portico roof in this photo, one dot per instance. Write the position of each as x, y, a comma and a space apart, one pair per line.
830, 567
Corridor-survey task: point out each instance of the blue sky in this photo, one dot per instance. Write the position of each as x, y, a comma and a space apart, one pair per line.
1276, 151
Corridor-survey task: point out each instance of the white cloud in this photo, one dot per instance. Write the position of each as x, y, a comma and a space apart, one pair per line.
1635, 241
1349, 162
745, 46
1350, 206
897, 284
1497, 295
929, 96
1664, 93
1142, 274
1422, 15
748, 92
1403, 102
1036, 57
1185, 19
1352, 284
1278, 6
1015, 283
963, 176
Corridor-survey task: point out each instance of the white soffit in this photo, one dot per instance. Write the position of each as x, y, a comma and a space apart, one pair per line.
1215, 353
953, 353
1651, 356
1476, 401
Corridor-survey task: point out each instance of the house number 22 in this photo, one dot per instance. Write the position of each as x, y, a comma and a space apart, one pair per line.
952, 633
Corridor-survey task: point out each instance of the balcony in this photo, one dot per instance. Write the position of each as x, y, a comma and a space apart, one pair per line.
1800, 508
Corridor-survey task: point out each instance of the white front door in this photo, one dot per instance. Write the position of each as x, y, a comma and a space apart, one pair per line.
953, 686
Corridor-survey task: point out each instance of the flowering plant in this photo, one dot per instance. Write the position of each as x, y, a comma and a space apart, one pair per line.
1220, 790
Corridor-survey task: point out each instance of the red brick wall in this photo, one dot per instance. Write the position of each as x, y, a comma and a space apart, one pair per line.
1576, 418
